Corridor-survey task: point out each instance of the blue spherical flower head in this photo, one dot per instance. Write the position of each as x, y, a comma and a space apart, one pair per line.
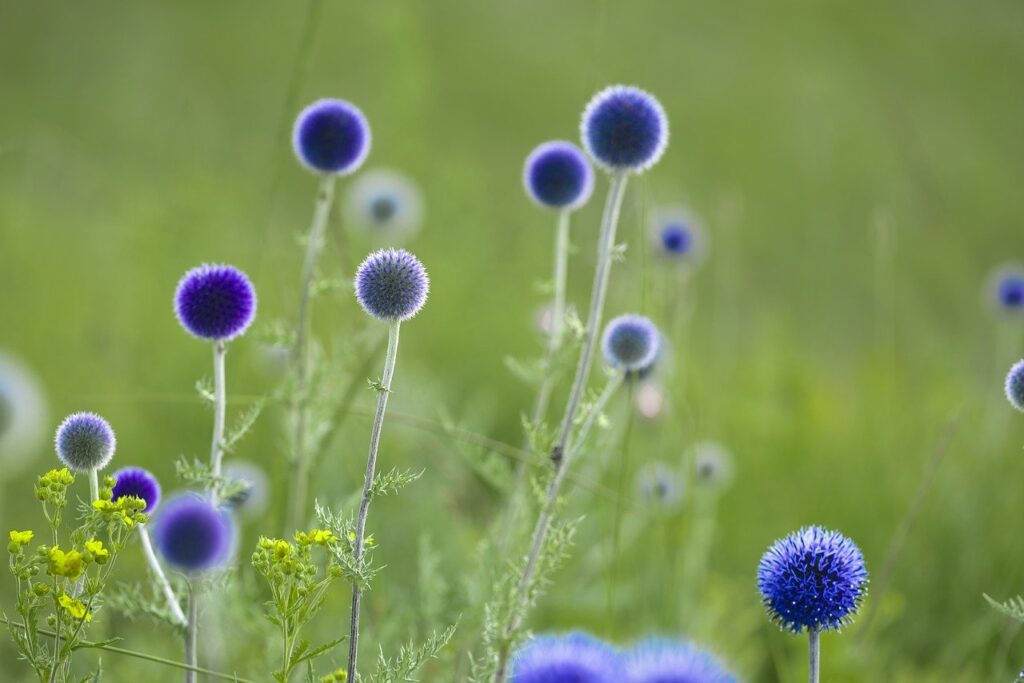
331, 136
384, 203
812, 579
84, 442
571, 658
677, 238
624, 129
391, 285
667, 661
1010, 290
192, 534
215, 302
137, 482
557, 175
630, 342
1015, 385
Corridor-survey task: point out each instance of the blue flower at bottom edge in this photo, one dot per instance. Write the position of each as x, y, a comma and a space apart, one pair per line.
668, 661
571, 658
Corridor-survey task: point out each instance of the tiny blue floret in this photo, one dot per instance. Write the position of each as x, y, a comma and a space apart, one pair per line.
812, 579
192, 534
630, 342
391, 285
331, 136
668, 661
557, 175
84, 442
575, 658
137, 482
1015, 385
624, 129
215, 302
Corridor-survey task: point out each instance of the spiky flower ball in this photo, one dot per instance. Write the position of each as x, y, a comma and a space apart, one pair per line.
630, 342
215, 302
812, 579
192, 534
137, 482
557, 175
677, 235
392, 285
624, 129
575, 657
384, 204
1015, 385
669, 661
331, 136
84, 442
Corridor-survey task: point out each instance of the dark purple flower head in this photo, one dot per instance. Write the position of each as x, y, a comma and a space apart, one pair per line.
331, 136
677, 238
1015, 385
192, 534
572, 658
1010, 290
137, 482
624, 129
557, 175
630, 342
668, 661
215, 302
392, 285
814, 579
85, 441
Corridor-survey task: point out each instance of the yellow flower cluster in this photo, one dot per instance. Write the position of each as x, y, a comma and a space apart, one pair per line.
339, 676
317, 536
19, 539
96, 552
126, 507
74, 607
68, 564
53, 485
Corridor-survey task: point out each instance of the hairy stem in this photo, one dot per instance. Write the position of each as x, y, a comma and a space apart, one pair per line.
191, 634
161, 577
364, 503
814, 654
220, 349
94, 485
300, 354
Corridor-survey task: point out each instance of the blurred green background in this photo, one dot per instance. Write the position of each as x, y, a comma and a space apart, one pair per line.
858, 167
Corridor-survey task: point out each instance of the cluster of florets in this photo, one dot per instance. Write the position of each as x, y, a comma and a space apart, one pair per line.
279, 560
631, 343
84, 442
215, 302
52, 487
391, 285
581, 658
192, 534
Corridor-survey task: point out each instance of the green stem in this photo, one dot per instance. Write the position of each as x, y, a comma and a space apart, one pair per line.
191, 635
814, 655
94, 485
300, 353
364, 503
161, 577
219, 407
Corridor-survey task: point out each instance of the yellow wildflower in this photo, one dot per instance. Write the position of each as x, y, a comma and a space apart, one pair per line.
21, 538
67, 564
74, 607
95, 548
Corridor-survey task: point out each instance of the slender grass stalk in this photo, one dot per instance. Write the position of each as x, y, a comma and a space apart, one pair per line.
813, 655
161, 577
94, 485
300, 354
364, 504
219, 405
192, 634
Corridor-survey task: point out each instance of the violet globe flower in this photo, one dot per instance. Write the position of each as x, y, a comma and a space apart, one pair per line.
85, 442
630, 342
813, 579
557, 175
193, 535
137, 482
331, 137
624, 129
1015, 385
668, 661
575, 658
215, 302
391, 285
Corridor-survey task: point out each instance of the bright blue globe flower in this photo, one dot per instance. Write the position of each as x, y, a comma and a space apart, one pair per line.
137, 482
215, 302
667, 661
192, 534
84, 442
624, 129
331, 136
557, 175
392, 285
812, 579
571, 658
677, 238
630, 342
1015, 385
1010, 290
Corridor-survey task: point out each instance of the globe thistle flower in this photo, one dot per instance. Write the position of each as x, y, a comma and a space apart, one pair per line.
384, 204
630, 342
678, 235
1004, 289
85, 442
252, 494
137, 482
215, 302
575, 657
1015, 385
391, 285
23, 411
192, 534
624, 129
668, 661
557, 175
331, 137
813, 579
1011, 291
712, 464
660, 487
